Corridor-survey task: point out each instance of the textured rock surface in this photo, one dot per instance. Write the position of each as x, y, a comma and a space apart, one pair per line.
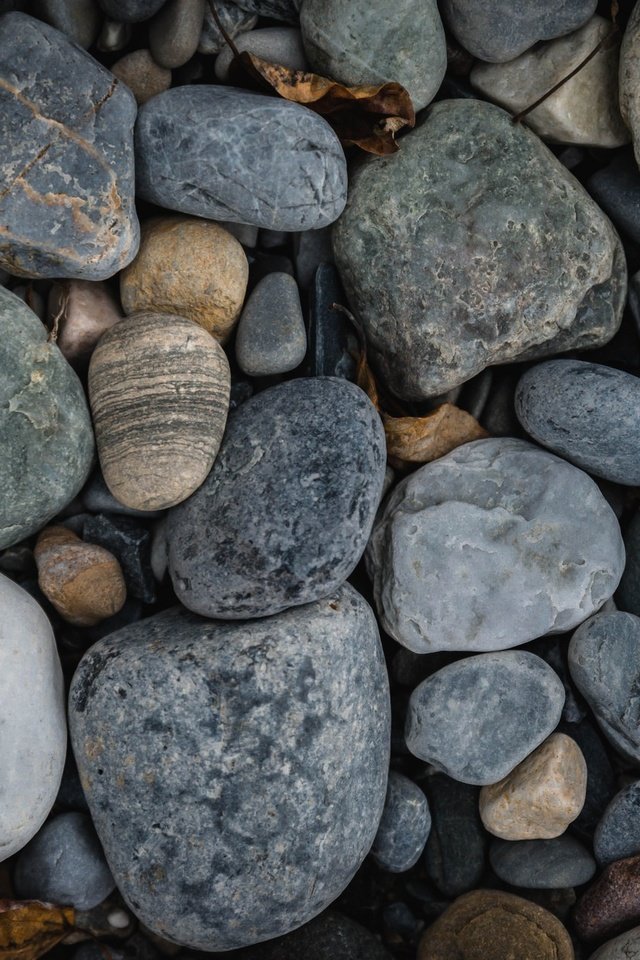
630, 77
274, 725
144, 77
85, 309
616, 190
542, 864
284, 515
499, 254
624, 947
234, 19
328, 937
226, 154
271, 336
612, 902
276, 44
404, 826
618, 833
493, 545
131, 545
174, 33
477, 718
455, 855
66, 125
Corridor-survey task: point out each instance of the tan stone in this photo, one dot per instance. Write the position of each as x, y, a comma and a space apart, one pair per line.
83, 581
144, 77
541, 796
190, 267
81, 310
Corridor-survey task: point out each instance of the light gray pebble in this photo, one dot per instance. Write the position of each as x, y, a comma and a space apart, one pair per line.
174, 33
542, 864
404, 826
271, 336
281, 45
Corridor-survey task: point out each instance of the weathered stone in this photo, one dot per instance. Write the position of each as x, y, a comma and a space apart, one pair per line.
328, 937
234, 19
131, 11
271, 335
542, 864
274, 725
612, 903
174, 33
66, 125
499, 254
281, 45
404, 826
78, 19
624, 947
144, 77
618, 833
131, 544
114, 36
455, 855
84, 310
630, 77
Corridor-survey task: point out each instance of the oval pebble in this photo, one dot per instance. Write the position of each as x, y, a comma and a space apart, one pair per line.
271, 336
624, 947
404, 826
542, 864
618, 833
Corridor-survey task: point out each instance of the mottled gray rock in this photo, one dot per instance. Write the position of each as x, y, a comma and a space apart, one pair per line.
628, 596
234, 19
455, 855
370, 42
310, 249
491, 546
32, 718
174, 34
245, 739
64, 864
66, 125
500, 30
404, 826
271, 336
586, 413
45, 428
328, 937
276, 44
542, 864
617, 835
624, 947
499, 254
286, 10
78, 19
226, 154
285, 514
478, 718
130, 11
630, 77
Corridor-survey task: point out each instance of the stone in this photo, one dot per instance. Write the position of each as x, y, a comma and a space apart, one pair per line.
311, 248
329, 936
286, 10
144, 77
616, 188
624, 947
541, 796
601, 785
271, 239
227, 154
67, 162
584, 412
244, 233
501, 543
284, 516
274, 725
83, 581
174, 33
159, 393
159, 550
235, 21
628, 596
114, 36
85, 310
404, 826
271, 336
498, 33
584, 110
71, 795
32, 716
630, 77
97, 498
45, 427
492, 923
617, 835
333, 342
455, 854
364, 42
131, 545
464, 241
64, 864
78, 19
130, 11
542, 864
477, 719
281, 45
611, 904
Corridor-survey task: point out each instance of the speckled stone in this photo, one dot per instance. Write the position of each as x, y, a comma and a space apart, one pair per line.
144, 77
78, 19
624, 947
628, 596
491, 546
274, 725
542, 864
130, 11
66, 126
404, 826
618, 833
439, 268
455, 855
174, 34
271, 335
234, 19
630, 77
285, 514
328, 937
276, 44
226, 154
477, 718
611, 904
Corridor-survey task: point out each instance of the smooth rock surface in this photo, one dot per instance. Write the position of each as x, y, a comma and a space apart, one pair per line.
144, 77
234, 19
130, 543
286, 10
332, 338
616, 189
78, 19
455, 854
624, 947
281, 45
329, 936
617, 835
612, 902
85, 309
542, 864
630, 77
271, 336
274, 725
174, 33
404, 826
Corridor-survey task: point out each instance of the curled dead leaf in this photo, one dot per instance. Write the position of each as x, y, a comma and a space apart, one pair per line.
29, 928
423, 439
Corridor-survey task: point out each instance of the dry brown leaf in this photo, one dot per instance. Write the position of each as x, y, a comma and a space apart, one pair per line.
423, 439
29, 928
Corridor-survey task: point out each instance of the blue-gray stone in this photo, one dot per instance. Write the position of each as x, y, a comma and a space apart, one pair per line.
456, 852
628, 596
328, 937
286, 512
236, 772
227, 154
542, 864
271, 336
617, 835
130, 11
404, 826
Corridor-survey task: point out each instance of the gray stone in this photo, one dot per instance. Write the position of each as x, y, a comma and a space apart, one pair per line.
97, 498
616, 189
500, 30
455, 855
628, 596
286, 10
64, 864
66, 125
369, 42
624, 947
130, 544
234, 19
617, 835
333, 341
276, 44
79, 19
404, 826
478, 718
271, 336
244, 233
604, 659
328, 937
542, 864
45, 428
131, 11
310, 249
499, 254
285, 514
32, 718
493, 545
630, 77
226, 154
114, 36
174, 34
215, 757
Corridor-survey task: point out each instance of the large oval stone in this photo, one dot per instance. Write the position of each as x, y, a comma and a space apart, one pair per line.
236, 772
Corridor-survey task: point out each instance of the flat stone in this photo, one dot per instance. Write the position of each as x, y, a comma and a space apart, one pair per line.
327, 937
478, 718
274, 725
130, 11
144, 77
32, 716
624, 947
285, 514
234, 19
491, 546
455, 855
281, 45
67, 161
333, 342
271, 335
130, 543
85, 310
404, 826
184, 161
611, 904
463, 240
286, 10
174, 33
364, 42
630, 77
542, 864
628, 596
616, 188
617, 835
78, 19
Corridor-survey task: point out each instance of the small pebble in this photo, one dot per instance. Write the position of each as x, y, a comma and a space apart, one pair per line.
542, 864
332, 338
612, 903
144, 77
329, 936
78, 19
174, 33
617, 835
131, 545
281, 45
234, 19
131, 11
404, 826
624, 947
85, 309
271, 336
310, 249
455, 855
616, 188
114, 36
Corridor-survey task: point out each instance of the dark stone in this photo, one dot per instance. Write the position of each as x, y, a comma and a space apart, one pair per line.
234, 19
71, 795
131, 546
241, 391
611, 905
600, 778
628, 595
616, 188
455, 855
542, 864
329, 937
78, 19
130, 11
499, 414
332, 339
618, 834
262, 264
553, 649
404, 826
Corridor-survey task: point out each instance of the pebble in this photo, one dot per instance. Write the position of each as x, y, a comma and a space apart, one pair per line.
235, 21
404, 826
32, 716
491, 546
496, 201
174, 33
285, 514
478, 718
361, 42
542, 864
628, 595
287, 10
71, 795
130, 11
582, 111
97, 498
184, 161
611, 904
85, 310
131, 545
64, 864
630, 77
78, 19
333, 343
159, 550
274, 725
271, 335
541, 796
624, 947
281, 45
617, 835
144, 77
330, 936
616, 189
114, 36
601, 785
159, 393
455, 854
68, 205
311, 248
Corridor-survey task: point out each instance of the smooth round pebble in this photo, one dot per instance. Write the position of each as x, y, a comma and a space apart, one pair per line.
624, 947
611, 904
617, 835
271, 336
282, 45
455, 854
174, 33
542, 864
144, 77
78, 19
404, 826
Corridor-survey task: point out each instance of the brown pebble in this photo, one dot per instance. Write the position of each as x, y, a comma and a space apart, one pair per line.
144, 77
83, 581
81, 311
611, 905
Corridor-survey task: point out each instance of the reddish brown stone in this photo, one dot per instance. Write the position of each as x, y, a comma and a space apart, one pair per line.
611, 905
